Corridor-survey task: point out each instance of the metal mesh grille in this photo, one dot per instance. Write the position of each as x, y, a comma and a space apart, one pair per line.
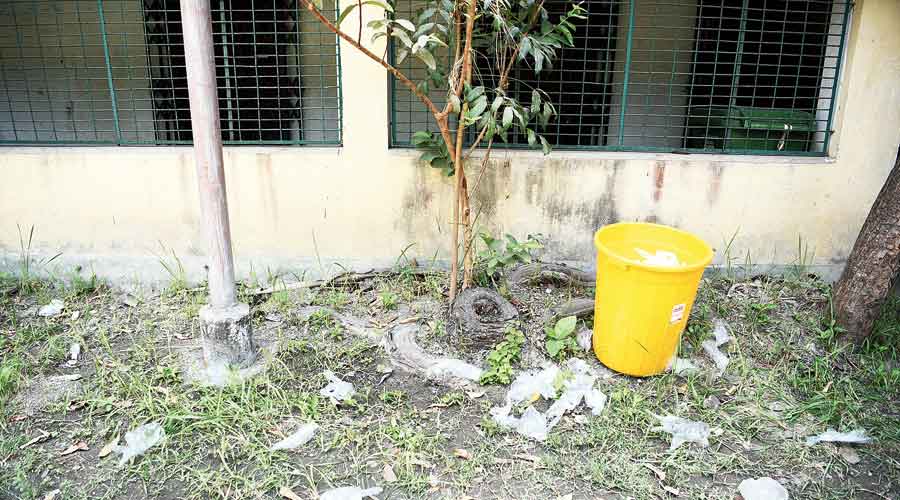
726, 76
112, 72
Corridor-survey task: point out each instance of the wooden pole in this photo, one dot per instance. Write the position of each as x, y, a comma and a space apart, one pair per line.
225, 330
196, 20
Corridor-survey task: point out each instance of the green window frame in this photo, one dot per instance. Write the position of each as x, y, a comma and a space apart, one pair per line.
111, 72
684, 76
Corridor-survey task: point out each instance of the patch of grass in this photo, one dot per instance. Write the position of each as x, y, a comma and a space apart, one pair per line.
10, 374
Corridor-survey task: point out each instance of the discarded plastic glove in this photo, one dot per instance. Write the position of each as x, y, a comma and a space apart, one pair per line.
301, 436
683, 431
139, 441
350, 493
337, 390
857, 436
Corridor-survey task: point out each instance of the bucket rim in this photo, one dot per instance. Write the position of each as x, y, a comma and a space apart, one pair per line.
707, 258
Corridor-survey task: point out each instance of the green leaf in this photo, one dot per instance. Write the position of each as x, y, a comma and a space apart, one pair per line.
402, 55
403, 37
427, 58
479, 107
554, 346
566, 326
474, 93
421, 137
545, 146
496, 104
345, 13
531, 137
507, 117
405, 24
535, 101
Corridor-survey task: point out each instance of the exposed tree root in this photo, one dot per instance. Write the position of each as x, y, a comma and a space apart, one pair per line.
404, 351
480, 316
544, 272
574, 307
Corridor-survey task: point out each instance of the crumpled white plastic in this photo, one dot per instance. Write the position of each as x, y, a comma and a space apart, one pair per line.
530, 386
337, 390
681, 366
52, 309
139, 440
454, 367
350, 493
712, 346
764, 488
662, 258
301, 436
683, 431
855, 436
585, 338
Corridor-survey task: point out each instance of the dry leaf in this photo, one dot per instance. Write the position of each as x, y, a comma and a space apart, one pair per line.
125, 404
18, 418
288, 493
660, 474
565, 497
462, 453
475, 394
388, 474
106, 450
76, 405
51, 494
79, 446
421, 463
672, 490
42, 435
528, 458
849, 455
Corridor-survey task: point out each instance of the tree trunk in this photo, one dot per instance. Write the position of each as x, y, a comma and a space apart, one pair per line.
873, 263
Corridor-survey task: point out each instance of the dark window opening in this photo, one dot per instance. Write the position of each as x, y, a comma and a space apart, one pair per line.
579, 83
762, 65
256, 72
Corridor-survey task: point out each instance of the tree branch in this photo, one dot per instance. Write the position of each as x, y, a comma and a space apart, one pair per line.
394, 71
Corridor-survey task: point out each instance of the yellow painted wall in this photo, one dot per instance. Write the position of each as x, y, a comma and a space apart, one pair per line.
362, 204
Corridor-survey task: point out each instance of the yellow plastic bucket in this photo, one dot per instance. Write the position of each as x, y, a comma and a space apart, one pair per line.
640, 308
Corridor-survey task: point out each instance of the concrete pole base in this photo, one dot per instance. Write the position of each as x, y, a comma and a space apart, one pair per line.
227, 337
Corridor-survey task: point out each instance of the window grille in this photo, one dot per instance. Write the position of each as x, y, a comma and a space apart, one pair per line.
717, 76
113, 72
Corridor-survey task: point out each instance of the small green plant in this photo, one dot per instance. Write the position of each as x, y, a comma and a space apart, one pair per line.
388, 299
501, 358
454, 398
758, 313
392, 398
501, 253
561, 337
830, 329
29, 282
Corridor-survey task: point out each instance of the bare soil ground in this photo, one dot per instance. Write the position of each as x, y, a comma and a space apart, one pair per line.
788, 379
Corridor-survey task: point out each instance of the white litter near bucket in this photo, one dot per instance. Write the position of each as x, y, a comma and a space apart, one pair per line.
445, 367
764, 488
662, 258
52, 309
301, 436
350, 493
585, 338
337, 390
683, 367
530, 386
832, 436
683, 431
138, 441
720, 331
